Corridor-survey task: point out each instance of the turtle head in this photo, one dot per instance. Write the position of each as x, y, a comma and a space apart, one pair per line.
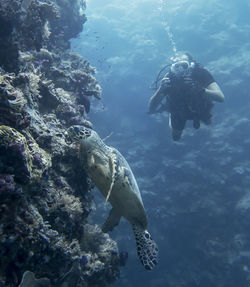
79, 133
85, 136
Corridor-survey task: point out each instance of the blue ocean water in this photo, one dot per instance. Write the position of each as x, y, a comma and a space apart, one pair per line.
196, 192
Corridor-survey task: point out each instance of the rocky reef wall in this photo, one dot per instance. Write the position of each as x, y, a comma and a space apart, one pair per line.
45, 197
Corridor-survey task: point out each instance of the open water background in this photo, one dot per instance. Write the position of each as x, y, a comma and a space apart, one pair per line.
196, 192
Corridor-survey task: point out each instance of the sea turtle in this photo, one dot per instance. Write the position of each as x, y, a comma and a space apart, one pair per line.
113, 177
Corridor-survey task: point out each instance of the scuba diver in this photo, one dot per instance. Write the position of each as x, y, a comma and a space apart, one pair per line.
187, 92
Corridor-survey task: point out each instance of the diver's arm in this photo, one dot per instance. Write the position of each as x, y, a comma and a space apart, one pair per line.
156, 99
214, 92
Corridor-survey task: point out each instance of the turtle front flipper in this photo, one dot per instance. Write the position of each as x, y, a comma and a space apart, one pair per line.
112, 221
147, 249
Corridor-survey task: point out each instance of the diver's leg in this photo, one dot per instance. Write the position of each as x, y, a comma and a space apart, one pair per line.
177, 124
176, 134
196, 122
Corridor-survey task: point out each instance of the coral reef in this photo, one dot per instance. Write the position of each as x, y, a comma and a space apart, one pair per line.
45, 197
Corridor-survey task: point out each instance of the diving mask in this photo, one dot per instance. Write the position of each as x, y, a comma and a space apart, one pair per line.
181, 68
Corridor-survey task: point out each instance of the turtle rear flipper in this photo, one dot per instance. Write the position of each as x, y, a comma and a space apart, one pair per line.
146, 247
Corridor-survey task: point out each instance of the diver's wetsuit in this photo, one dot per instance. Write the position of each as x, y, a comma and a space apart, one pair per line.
185, 100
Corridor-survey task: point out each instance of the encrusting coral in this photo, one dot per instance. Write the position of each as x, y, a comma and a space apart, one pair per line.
45, 197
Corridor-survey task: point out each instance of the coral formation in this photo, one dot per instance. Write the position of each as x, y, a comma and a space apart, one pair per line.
45, 198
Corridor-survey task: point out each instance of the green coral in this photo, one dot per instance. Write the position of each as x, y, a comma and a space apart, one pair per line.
10, 137
41, 160
26, 153
68, 203
9, 96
